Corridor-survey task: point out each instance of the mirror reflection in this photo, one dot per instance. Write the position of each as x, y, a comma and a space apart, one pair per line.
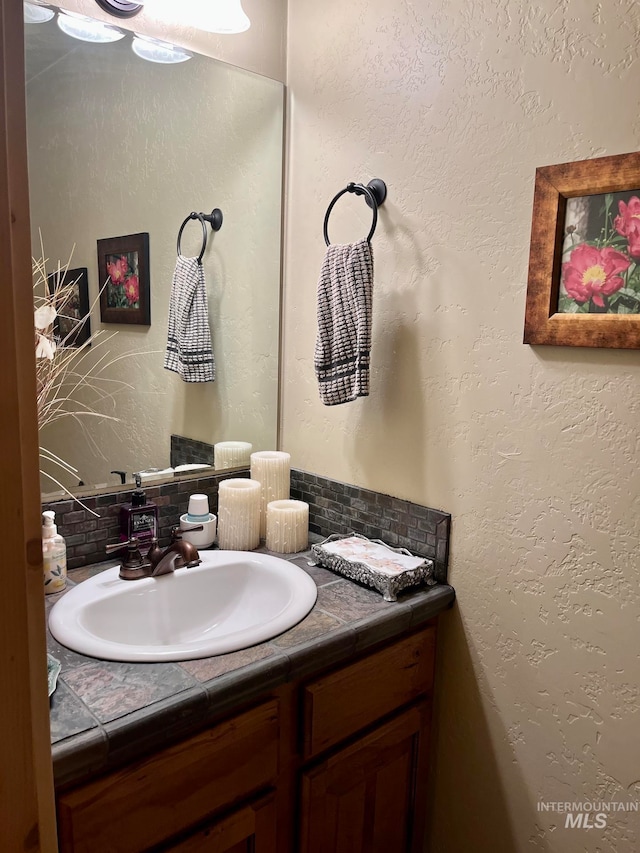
120, 147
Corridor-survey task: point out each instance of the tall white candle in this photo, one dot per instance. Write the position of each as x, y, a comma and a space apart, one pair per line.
231, 454
272, 469
287, 526
239, 514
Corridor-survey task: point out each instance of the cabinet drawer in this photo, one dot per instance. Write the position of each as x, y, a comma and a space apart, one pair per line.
250, 828
355, 696
154, 799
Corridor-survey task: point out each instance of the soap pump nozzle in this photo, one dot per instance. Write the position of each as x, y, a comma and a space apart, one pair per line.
49, 527
138, 497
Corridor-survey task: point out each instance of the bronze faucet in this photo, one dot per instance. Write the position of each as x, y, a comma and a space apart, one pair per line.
179, 554
158, 561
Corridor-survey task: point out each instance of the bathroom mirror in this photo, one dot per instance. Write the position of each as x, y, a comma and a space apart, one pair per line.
120, 146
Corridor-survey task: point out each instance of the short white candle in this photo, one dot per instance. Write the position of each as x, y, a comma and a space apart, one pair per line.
239, 514
272, 469
231, 454
287, 526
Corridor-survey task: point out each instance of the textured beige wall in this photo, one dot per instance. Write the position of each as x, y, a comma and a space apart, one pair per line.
534, 451
119, 146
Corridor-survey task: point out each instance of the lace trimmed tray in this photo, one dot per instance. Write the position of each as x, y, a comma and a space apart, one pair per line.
373, 563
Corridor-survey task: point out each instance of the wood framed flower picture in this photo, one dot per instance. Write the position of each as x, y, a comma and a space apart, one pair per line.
69, 292
583, 287
123, 276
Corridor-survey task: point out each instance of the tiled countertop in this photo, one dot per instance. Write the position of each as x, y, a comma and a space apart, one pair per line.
104, 713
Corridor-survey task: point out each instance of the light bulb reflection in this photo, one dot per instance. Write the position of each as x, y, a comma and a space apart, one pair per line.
154, 50
36, 14
87, 29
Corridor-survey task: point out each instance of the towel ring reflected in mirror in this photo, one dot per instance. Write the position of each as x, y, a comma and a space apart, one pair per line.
215, 221
374, 194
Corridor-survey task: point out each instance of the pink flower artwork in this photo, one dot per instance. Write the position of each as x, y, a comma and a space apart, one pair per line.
123, 264
628, 224
132, 289
592, 273
118, 270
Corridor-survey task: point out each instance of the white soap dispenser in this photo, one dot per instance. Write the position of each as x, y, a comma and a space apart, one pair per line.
54, 555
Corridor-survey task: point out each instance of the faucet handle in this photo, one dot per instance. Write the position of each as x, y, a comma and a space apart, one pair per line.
176, 532
134, 566
134, 558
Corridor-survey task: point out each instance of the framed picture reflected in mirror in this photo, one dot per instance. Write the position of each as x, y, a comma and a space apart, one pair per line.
123, 278
72, 326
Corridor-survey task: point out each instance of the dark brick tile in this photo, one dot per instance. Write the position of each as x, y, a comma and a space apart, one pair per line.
417, 535
73, 517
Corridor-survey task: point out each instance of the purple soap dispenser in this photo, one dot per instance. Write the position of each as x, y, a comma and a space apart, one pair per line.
140, 517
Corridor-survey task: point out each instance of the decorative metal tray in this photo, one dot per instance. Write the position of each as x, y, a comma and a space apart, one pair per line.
373, 563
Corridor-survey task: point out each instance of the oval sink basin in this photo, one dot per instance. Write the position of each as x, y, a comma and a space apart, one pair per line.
232, 600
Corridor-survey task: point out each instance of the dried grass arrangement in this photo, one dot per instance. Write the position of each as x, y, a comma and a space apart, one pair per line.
72, 381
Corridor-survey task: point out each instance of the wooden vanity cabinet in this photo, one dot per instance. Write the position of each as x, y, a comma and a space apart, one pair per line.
333, 764
369, 795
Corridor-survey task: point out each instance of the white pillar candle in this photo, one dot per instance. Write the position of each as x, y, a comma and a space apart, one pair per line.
231, 454
287, 526
272, 469
239, 514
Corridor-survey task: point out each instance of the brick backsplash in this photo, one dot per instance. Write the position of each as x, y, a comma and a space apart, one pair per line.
188, 451
87, 535
334, 507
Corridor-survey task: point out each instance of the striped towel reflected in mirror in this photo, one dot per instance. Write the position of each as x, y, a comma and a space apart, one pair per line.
189, 352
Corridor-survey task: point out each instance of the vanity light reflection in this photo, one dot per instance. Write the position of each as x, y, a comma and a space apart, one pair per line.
87, 29
34, 14
155, 50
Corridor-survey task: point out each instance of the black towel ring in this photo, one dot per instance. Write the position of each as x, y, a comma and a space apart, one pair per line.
215, 221
374, 194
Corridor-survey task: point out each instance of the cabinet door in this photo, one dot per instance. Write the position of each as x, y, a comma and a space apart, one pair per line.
370, 797
251, 829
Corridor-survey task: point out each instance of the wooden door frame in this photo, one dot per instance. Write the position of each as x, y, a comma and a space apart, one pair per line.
26, 777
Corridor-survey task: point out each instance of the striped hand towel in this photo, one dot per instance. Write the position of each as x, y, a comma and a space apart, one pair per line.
345, 290
189, 350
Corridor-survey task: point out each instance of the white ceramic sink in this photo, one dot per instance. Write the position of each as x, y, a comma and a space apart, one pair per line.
232, 600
